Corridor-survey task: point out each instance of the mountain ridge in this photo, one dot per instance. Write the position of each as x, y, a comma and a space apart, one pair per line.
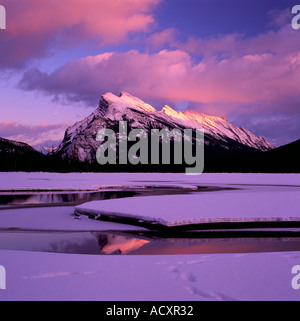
227, 148
18, 156
80, 139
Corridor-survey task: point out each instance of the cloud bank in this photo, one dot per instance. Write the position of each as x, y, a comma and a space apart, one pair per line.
226, 75
33, 134
246, 74
37, 27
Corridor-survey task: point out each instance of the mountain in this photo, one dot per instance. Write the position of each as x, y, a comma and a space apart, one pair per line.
283, 159
222, 153
12, 146
18, 156
221, 137
46, 150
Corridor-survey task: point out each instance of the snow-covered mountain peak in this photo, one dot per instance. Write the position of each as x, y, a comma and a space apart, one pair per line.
204, 119
113, 107
80, 139
120, 103
136, 102
167, 110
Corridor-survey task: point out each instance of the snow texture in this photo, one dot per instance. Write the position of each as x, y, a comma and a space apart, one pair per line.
217, 277
248, 204
209, 277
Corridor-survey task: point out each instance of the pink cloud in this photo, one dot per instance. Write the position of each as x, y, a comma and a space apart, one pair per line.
259, 71
172, 76
112, 19
35, 25
281, 40
161, 38
32, 134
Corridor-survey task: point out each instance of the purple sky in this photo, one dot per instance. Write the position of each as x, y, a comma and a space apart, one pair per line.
239, 59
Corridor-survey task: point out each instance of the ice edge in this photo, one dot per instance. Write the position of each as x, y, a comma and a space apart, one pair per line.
97, 214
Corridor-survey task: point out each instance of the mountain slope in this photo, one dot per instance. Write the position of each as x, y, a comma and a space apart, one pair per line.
221, 137
284, 159
18, 156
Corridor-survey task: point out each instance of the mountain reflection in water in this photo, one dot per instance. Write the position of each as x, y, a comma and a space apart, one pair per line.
118, 244
99, 243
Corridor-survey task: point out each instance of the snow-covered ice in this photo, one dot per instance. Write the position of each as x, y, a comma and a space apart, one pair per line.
54, 219
41, 276
73, 181
247, 204
244, 198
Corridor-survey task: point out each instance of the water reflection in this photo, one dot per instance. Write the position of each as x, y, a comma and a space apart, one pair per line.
21, 199
98, 243
118, 244
51, 198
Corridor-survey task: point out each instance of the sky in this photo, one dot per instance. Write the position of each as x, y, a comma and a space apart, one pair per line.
230, 58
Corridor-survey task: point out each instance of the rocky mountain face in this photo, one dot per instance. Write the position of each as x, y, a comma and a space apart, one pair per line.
221, 137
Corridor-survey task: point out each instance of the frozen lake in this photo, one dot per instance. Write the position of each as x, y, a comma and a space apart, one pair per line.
173, 257
177, 214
